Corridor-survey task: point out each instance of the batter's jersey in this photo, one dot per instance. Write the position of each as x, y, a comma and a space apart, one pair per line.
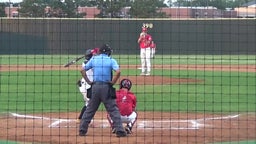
89, 74
126, 102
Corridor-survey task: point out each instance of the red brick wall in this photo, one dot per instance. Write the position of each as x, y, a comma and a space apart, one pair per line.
177, 12
11, 11
90, 11
246, 11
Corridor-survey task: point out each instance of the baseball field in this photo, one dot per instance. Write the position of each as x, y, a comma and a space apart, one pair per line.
186, 99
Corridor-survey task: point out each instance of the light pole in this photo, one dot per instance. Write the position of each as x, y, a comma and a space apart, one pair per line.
9, 14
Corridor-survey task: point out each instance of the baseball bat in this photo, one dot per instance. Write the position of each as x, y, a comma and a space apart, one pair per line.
74, 61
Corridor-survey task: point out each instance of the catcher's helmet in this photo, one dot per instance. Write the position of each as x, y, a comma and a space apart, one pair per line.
125, 83
106, 49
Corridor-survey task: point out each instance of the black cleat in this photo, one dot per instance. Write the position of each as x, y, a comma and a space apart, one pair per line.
82, 133
121, 134
113, 130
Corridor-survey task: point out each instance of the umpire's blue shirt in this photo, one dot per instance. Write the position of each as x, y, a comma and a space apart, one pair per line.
102, 66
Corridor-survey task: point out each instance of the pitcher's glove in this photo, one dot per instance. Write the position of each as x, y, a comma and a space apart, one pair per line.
79, 83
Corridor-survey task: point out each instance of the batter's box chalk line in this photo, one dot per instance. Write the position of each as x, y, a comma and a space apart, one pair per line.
192, 124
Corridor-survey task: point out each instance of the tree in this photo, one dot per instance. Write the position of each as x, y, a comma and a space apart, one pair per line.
32, 8
59, 8
55, 8
2, 11
111, 8
220, 4
65, 8
236, 3
182, 3
88, 3
147, 8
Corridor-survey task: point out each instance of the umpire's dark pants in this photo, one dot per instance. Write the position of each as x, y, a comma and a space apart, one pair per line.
100, 94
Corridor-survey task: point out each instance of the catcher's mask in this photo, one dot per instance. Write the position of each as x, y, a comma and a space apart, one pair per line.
106, 49
88, 54
125, 83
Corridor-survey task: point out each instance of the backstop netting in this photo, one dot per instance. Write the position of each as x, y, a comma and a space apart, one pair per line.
200, 87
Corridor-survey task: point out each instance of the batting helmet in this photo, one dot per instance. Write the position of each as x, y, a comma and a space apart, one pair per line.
88, 54
106, 49
125, 83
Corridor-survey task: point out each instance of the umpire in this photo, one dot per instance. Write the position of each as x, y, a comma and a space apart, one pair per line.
102, 66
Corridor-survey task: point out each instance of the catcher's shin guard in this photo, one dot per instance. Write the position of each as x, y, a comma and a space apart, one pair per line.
135, 114
130, 125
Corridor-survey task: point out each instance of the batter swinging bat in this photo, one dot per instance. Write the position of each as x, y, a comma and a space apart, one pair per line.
74, 61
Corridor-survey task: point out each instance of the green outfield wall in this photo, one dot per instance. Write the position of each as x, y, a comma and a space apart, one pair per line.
72, 36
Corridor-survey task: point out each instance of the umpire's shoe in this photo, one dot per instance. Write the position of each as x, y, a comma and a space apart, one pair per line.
121, 134
82, 133
113, 130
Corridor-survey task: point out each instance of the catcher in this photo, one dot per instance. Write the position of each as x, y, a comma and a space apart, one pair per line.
85, 88
126, 102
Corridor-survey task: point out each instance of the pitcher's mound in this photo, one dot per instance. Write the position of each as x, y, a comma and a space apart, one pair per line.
158, 80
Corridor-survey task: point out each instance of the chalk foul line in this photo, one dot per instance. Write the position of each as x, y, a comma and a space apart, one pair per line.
190, 124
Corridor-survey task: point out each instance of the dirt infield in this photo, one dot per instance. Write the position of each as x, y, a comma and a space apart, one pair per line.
151, 127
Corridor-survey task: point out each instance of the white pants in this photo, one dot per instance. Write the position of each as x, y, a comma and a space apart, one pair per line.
153, 51
145, 55
129, 120
83, 89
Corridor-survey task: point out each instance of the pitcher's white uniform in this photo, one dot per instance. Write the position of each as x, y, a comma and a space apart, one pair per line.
144, 41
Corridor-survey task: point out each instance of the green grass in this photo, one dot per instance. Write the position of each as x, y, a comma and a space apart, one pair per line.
237, 142
53, 91
134, 59
8, 142
220, 92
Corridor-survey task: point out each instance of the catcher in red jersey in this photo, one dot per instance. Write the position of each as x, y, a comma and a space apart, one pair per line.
126, 102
